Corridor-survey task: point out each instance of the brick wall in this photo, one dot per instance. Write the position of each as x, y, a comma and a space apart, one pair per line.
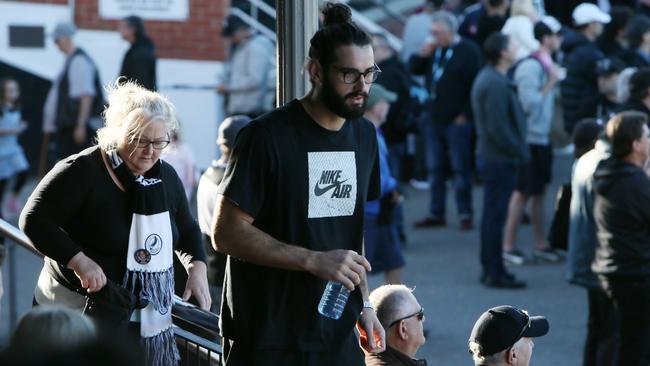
198, 38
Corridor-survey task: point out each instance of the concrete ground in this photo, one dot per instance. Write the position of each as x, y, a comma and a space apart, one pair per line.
443, 266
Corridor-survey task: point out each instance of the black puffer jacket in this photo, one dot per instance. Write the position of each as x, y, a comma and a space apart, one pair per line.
622, 215
580, 88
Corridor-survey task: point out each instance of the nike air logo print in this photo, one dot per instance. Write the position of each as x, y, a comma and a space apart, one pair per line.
332, 177
332, 183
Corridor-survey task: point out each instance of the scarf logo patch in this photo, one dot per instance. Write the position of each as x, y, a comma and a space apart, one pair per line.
163, 310
142, 256
153, 243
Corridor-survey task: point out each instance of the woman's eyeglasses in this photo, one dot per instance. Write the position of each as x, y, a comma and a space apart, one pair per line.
157, 144
419, 314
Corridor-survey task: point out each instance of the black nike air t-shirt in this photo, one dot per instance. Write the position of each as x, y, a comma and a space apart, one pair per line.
306, 186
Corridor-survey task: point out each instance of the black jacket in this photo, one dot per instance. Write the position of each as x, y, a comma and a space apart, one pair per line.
395, 77
610, 47
455, 85
139, 63
580, 88
622, 215
632, 58
635, 105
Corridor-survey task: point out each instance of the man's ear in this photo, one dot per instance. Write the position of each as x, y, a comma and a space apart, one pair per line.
511, 356
402, 330
315, 71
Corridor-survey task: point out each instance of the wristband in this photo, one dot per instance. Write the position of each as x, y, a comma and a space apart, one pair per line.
368, 304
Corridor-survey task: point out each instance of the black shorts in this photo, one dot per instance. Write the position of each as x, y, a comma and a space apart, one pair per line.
237, 354
534, 176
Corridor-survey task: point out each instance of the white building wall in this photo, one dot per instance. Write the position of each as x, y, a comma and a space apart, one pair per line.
187, 83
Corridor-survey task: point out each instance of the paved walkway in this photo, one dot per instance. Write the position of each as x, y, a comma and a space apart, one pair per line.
443, 266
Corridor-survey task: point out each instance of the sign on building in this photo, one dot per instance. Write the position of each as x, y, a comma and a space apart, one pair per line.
146, 9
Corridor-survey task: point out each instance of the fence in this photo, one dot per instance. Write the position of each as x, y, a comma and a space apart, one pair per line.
195, 329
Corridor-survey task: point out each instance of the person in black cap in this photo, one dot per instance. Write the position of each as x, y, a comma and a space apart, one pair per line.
503, 336
249, 85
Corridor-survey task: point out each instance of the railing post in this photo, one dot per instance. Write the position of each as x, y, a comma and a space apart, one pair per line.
296, 22
11, 293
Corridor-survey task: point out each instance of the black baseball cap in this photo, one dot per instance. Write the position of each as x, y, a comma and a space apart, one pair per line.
232, 24
609, 66
501, 327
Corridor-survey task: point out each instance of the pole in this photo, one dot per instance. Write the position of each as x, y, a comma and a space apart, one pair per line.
296, 22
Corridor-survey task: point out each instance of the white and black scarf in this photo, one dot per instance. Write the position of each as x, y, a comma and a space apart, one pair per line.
149, 260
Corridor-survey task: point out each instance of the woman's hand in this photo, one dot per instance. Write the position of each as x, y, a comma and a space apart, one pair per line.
197, 285
90, 274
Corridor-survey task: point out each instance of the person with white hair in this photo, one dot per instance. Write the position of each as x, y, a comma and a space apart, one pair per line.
116, 212
536, 78
449, 64
402, 317
51, 328
520, 27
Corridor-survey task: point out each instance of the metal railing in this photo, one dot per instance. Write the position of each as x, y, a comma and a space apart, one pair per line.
195, 329
365, 22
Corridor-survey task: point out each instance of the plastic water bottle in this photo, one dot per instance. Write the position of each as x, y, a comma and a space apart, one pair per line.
333, 300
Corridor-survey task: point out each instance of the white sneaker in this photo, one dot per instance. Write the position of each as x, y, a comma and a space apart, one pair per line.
547, 254
514, 256
420, 185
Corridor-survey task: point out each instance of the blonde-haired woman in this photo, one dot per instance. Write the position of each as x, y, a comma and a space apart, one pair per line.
116, 212
520, 27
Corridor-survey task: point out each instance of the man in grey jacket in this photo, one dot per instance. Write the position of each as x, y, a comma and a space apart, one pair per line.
501, 146
536, 78
600, 343
249, 87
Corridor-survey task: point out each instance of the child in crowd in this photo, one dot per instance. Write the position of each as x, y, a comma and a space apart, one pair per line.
13, 163
382, 242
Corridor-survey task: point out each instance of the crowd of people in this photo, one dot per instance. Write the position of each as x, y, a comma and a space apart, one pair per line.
312, 192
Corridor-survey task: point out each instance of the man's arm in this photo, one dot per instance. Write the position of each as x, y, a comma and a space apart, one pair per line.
233, 233
372, 336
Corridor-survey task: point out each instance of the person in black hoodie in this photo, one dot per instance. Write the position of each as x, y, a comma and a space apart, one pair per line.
611, 42
580, 88
622, 215
139, 62
637, 35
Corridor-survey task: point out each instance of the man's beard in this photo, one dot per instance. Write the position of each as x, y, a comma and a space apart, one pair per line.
336, 104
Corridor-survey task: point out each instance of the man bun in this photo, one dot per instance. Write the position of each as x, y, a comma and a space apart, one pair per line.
335, 13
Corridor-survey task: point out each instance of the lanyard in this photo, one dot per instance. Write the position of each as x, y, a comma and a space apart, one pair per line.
438, 68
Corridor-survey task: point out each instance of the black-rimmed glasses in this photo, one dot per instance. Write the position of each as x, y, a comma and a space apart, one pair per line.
156, 144
419, 314
351, 76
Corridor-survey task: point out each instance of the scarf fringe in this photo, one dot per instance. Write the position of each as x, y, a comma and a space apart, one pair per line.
161, 350
155, 287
